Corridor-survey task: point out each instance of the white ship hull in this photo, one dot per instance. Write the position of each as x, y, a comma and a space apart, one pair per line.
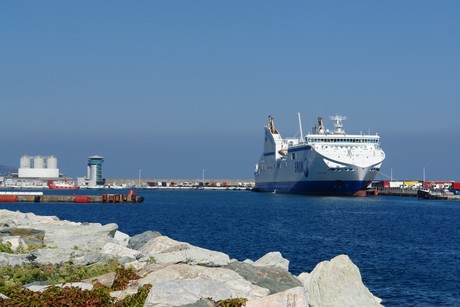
321, 163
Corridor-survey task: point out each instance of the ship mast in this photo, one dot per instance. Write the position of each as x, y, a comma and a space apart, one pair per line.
300, 126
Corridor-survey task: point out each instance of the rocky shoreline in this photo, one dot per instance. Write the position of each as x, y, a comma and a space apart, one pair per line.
180, 274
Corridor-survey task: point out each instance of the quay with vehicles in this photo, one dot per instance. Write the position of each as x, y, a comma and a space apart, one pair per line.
438, 190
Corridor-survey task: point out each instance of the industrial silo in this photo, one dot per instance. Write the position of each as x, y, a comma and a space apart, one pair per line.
24, 162
51, 162
39, 162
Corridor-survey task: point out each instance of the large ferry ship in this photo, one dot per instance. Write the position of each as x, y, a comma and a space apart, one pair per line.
321, 163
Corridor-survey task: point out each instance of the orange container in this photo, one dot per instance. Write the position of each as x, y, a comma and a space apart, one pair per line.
8, 198
81, 199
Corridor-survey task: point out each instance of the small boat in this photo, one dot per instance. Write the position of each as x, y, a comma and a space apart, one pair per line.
62, 185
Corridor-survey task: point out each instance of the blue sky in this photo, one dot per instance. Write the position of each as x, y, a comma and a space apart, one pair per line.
175, 87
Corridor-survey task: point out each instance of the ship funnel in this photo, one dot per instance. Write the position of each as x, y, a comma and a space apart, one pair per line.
271, 125
320, 127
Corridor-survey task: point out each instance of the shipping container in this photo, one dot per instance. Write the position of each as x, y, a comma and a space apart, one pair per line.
396, 184
437, 184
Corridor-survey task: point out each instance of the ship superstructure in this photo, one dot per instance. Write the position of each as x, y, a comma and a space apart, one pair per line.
323, 162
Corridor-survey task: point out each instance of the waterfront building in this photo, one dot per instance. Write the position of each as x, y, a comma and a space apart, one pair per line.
38, 167
94, 173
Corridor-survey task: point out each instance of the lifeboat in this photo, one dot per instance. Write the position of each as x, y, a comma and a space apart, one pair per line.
283, 152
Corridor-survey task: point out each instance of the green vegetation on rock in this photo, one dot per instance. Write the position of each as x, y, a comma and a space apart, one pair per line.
13, 279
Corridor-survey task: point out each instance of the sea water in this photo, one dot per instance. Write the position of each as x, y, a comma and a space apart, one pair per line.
407, 250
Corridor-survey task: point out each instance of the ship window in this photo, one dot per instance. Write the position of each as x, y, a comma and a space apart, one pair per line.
293, 156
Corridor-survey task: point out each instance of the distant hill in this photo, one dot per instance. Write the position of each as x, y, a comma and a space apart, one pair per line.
7, 170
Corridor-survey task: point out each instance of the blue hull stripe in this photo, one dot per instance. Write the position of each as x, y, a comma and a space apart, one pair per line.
301, 148
313, 187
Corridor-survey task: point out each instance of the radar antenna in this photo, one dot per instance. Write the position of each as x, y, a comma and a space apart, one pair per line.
338, 125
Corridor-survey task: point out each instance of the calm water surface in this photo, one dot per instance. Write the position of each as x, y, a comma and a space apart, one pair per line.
408, 250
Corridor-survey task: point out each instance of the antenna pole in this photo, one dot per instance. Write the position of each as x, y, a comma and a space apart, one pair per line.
300, 126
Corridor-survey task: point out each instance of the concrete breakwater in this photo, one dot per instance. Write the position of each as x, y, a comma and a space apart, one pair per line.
180, 273
40, 197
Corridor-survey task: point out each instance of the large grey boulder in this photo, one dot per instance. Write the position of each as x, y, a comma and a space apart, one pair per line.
137, 241
337, 283
181, 292
89, 258
274, 278
82, 236
230, 280
15, 259
113, 250
121, 238
273, 259
294, 297
167, 250
105, 279
54, 256
29, 235
16, 242
55, 233
81, 285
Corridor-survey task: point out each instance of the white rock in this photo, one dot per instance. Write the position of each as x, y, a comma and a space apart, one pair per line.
238, 286
121, 238
303, 277
161, 244
118, 251
70, 235
81, 285
195, 255
105, 279
137, 265
248, 261
63, 234
181, 292
122, 294
273, 259
294, 297
15, 241
166, 250
14, 259
53, 256
37, 288
338, 283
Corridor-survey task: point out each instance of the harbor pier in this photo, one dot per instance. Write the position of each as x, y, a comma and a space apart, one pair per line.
37, 197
